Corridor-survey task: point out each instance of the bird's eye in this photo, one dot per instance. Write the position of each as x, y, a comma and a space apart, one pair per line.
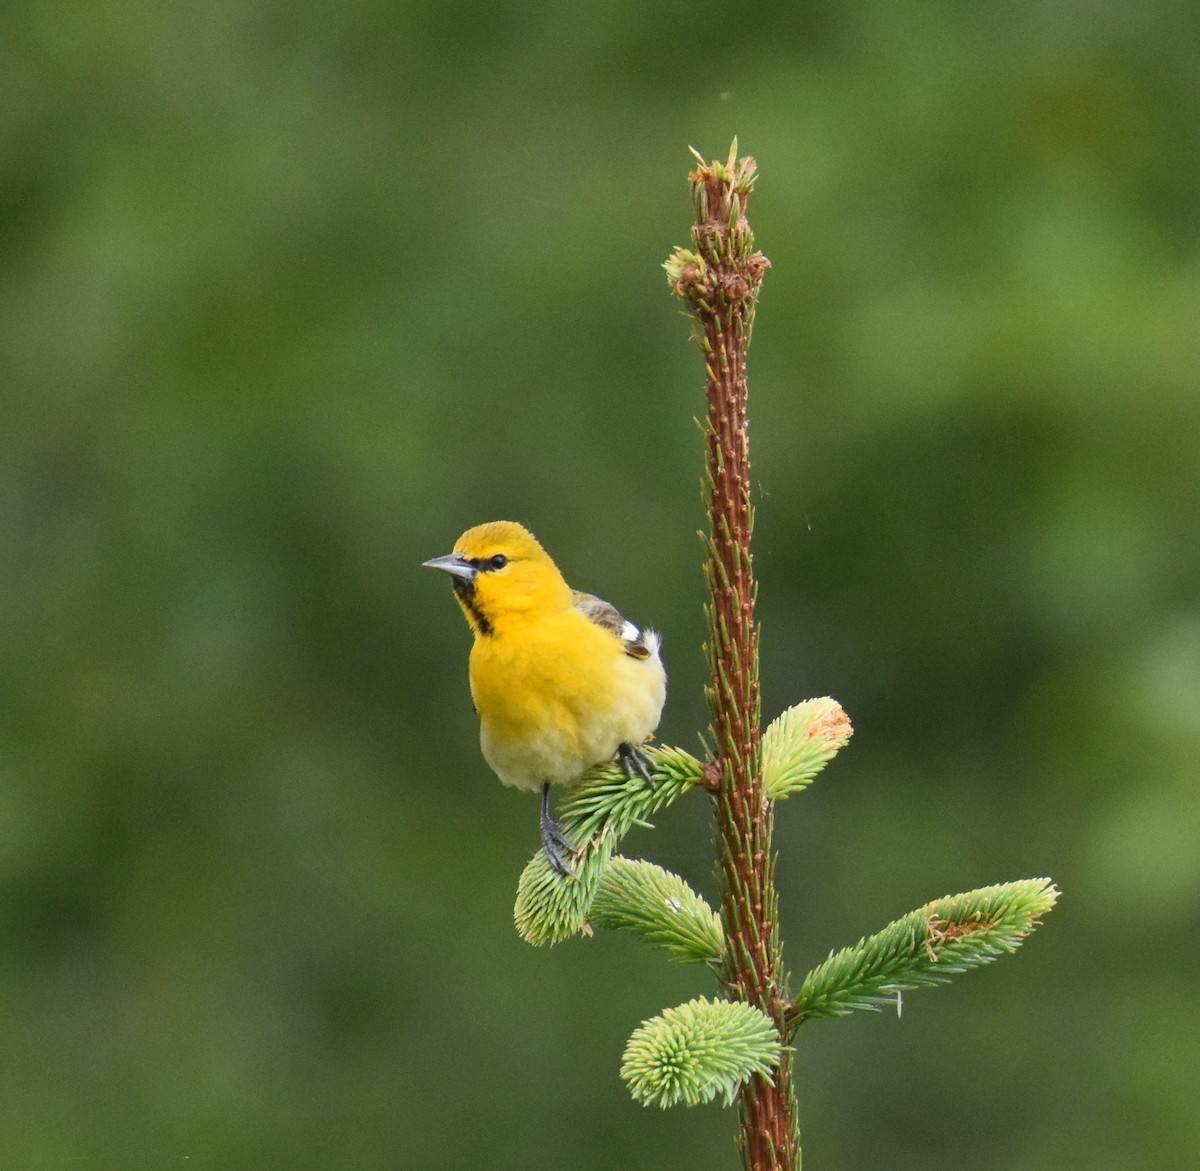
499, 561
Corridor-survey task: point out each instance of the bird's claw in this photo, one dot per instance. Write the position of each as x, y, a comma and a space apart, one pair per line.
554, 843
636, 763
557, 846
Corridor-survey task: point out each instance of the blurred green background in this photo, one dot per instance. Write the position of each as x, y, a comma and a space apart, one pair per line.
291, 294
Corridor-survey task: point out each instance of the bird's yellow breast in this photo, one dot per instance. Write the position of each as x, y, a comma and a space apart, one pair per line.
557, 694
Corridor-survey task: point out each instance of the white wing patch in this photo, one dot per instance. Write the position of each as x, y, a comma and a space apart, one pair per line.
639, 644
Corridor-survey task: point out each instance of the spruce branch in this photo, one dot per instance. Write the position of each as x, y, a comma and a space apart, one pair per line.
799, 743
927, 946
597, 813
718, 278
736, 1048
692, 1053
659, 907
609, 803
551, 908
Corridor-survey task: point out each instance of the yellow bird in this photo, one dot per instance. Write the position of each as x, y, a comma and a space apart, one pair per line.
560, 680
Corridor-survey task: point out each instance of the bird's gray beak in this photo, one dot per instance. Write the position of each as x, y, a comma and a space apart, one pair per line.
454, 564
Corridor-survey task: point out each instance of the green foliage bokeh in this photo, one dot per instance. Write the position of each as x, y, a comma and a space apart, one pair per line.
290, 295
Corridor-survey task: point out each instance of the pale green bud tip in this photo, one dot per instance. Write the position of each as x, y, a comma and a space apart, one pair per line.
685, 270
800, 742
660, 907
551, 907
694, 1052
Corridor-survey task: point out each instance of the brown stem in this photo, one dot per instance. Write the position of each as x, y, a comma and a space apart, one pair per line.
720, 279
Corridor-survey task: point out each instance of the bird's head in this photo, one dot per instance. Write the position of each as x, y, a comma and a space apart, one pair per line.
499, 570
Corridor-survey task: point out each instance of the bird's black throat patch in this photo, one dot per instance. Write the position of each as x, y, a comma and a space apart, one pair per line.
464, 588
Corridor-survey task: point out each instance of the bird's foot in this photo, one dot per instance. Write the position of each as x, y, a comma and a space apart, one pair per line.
636, 763
555, 843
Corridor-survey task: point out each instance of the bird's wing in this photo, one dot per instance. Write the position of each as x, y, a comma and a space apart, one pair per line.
608, 617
